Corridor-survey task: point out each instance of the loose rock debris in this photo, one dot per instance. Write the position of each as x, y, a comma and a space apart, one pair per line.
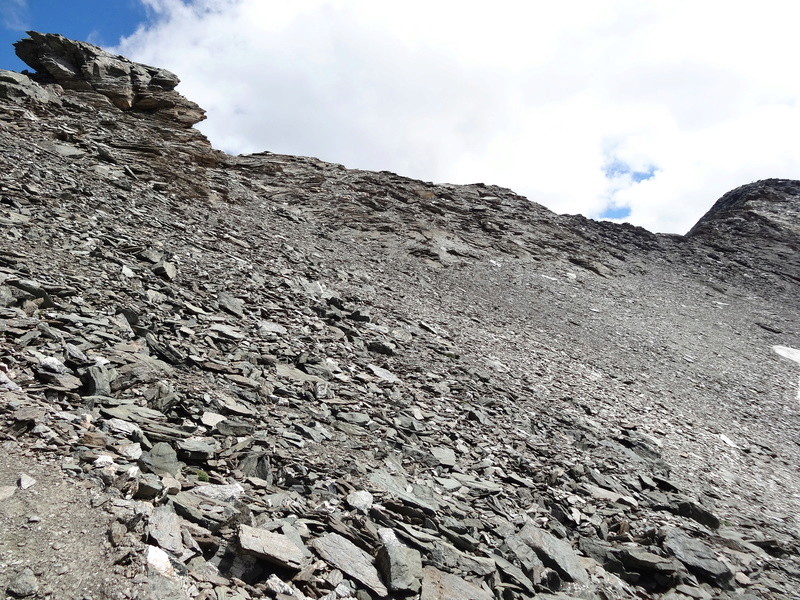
234, 377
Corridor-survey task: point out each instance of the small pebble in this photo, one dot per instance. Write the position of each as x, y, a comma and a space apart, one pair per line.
25, 481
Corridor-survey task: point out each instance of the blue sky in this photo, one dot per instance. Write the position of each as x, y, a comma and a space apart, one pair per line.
101, 22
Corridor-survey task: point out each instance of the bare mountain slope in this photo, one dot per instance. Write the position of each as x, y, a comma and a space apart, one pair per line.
284, 378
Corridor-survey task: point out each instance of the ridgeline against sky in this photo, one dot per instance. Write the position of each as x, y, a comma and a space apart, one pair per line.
610, 109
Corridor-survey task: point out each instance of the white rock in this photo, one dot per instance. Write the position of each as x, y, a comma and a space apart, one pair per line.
25, 481
223, 493
361, 500
210, 419
104, 460
159, 561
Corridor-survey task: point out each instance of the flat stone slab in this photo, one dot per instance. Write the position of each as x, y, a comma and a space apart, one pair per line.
290, 372
698, 557
275, 548
397, 486
400, 565
437, 585
165, 529
350, 559
383, 374
555, 553
479, 486
445, 456
206, 512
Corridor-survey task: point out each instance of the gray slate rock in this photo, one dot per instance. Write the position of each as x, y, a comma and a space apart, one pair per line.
698, 558
555, 553
18, 87
196, 449
447, 556
128, 85
97, 381
397, 486
687, 507
400, 565
445, 456
162, 459
642, 561
527, 557
350, 559
24, 584
149, 487
165, 529
231, 304
166, 270
272, 547
206, 512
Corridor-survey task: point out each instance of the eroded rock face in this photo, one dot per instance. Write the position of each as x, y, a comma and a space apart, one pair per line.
128, 85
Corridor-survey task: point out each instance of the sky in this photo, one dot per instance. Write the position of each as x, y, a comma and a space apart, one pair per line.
645, 112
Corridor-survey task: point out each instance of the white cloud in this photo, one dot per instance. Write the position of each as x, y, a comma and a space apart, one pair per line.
537, 96
15, 14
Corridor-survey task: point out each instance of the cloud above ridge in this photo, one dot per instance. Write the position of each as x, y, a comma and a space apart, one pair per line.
15, 14
655, 109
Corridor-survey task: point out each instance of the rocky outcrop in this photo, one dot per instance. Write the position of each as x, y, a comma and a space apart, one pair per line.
283, 378
758, 225
82, 67
18, 88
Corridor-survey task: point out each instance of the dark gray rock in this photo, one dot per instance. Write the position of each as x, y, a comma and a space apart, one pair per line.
694, 510
97, 381
273, 547
352, 560
400, 566
554, 553
161, 458
698, 558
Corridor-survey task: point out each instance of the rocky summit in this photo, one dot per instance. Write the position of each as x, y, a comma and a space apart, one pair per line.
266, 376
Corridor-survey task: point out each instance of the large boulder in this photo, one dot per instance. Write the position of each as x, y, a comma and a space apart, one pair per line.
18, 88
82, 67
